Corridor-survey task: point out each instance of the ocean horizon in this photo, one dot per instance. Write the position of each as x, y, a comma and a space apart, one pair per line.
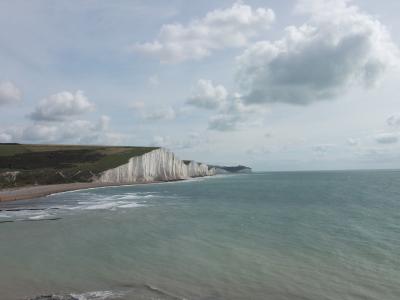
266, 235
134, 135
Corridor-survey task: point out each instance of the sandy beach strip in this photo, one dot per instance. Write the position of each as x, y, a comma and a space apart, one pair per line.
30, 192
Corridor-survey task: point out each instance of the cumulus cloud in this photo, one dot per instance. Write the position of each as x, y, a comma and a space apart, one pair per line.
156, 113
161, 141
322, 149
224, 122
137, 105
163, 113
207, 95
393, 120
5, 137
218, 29
9, 93
257, 151
71, 131
35, 132
339, 46
93, 133
388, 156
153, 81
192, 140
90, 133
235, 115
353, 142
230, 112
40, 132
62, 106
103, 123
387, 138
85, 131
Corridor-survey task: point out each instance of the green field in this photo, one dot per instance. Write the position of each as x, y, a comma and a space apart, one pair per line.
24, 164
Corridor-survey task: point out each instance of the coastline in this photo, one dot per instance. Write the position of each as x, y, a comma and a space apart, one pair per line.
31, 192
156, 166
37, 191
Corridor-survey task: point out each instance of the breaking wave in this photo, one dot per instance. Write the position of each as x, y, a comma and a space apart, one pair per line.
145, 291
96, 295
50, 209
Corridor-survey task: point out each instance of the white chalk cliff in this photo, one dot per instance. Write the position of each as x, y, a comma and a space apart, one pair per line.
157, 165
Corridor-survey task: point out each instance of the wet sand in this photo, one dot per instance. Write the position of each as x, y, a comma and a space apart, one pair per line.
30, 192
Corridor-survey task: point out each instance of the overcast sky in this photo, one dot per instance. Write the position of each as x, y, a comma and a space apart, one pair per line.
274, 84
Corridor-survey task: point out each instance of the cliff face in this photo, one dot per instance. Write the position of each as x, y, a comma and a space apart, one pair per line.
195, 169
157, 165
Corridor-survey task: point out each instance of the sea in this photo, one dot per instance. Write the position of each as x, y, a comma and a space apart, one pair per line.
276, 235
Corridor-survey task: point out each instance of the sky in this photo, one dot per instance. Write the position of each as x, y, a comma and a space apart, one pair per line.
276, 85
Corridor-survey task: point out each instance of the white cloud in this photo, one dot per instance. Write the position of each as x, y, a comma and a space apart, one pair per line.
156, 113
153, 81
393, 120
183, 111
9, 93
207, 95
353, 142
104, 123
258, 151
5, 137
322, 149
388, 155
71, 131
224, 122
233, 114
161, 141
192, 140
40, 132
230, 111
83, 131
218, 29
35, 132
62, 106
164, 113
338, 47
137, 105
387, 138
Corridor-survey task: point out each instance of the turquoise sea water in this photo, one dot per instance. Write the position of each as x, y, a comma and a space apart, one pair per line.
289, 235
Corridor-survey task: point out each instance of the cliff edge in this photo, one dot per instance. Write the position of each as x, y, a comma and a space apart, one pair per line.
157, 165
36, 165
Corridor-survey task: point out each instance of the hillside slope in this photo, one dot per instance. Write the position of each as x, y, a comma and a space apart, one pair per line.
23, 164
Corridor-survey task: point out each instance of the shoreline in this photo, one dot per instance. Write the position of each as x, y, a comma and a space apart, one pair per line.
37, 191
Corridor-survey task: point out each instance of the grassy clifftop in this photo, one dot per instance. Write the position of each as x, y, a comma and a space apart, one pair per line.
23, 164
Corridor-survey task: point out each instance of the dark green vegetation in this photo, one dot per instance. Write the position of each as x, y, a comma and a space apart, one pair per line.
22, 164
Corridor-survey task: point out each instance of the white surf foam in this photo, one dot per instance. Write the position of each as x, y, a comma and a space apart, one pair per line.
98, 295
90, 202
40, 216
131, 205
2, 215
100, 205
